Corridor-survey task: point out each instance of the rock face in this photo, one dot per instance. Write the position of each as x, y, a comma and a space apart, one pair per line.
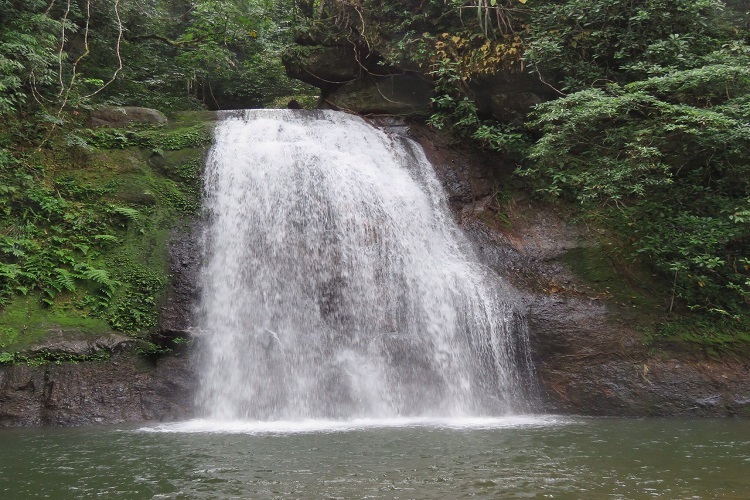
324, 67
178, 308
59, 344
588, 357
125, 388
404, 95
508, 97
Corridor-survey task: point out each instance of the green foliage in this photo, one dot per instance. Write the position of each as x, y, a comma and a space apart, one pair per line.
584, 42
50, 357
27, 52
57, 57
667, 160
454, 109
152, 350
133, 307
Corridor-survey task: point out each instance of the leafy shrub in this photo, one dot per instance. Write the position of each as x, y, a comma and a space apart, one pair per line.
668, 160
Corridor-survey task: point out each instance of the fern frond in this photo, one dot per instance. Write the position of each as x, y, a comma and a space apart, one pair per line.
129, 213
64, 280
105, 237
9, 271
97, 275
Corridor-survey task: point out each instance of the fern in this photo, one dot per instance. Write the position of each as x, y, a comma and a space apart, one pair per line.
9, 271
129, 213
82, 247
105, 237
64, 280
97, 275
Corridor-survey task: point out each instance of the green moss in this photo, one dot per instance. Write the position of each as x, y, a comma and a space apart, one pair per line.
638, 296
628, 287
24, 322
152, 138
605, 270
702, 335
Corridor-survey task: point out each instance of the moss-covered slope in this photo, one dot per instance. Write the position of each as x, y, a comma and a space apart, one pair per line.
84, 227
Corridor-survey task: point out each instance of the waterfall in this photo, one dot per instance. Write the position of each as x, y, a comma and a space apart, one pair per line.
336, 284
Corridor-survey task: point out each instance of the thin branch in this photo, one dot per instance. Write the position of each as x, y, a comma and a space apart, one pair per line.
169, 41
66, 89
49, 7
80, 58
62, 47
120, 31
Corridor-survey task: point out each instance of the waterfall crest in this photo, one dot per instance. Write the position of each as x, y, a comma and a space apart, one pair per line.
336, 283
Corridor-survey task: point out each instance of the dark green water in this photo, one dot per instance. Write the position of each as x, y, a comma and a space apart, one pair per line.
523, 458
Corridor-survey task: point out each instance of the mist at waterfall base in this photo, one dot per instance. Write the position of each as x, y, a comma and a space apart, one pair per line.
337, 287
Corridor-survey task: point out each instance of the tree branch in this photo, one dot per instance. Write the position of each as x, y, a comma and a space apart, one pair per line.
169, 41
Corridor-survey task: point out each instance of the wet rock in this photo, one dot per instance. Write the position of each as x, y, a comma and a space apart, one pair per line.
122, 116
177, 311
406, 95
59, 343
124, 389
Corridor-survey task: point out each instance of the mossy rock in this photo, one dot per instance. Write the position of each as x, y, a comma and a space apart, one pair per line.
25, 322
403, 95
180, 165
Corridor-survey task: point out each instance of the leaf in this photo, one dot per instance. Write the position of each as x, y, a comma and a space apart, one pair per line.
64, 280
105, 237
98, 275
128, 212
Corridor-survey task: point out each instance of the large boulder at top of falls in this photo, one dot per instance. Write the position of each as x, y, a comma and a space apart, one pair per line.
353, 78
323, 67
508, 96
391, 95
122, 116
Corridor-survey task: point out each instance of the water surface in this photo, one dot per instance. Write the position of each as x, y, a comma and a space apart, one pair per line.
502, 458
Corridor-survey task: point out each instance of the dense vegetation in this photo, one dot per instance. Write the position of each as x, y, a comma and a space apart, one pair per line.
649, 134
85, 214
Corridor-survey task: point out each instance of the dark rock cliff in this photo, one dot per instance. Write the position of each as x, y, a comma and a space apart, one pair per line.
125, 388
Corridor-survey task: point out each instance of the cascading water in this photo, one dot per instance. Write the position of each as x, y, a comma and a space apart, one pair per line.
336, 284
